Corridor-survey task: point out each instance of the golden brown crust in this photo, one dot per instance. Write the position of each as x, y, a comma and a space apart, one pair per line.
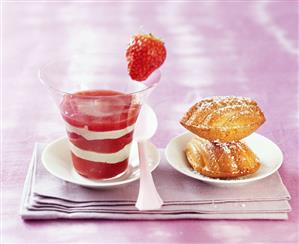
223, 118
221, 160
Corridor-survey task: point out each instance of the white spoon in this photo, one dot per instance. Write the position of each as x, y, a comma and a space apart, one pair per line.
146, 126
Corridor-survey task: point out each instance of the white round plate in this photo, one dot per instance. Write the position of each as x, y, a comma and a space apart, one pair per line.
56, 158
268, 152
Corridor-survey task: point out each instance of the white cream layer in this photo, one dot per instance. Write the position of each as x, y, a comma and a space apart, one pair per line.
109, 158
98, 135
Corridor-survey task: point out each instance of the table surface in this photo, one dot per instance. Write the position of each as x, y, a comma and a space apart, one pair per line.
232, 48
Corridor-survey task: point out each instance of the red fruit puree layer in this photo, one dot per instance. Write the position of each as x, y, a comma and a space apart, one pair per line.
101, 146
99, 111
98, 170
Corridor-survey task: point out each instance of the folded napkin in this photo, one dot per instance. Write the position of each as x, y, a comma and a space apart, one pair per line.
47, 197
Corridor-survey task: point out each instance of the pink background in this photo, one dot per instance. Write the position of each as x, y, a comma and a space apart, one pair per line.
232, 48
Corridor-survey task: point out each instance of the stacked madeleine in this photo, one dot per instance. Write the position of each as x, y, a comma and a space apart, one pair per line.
220, 123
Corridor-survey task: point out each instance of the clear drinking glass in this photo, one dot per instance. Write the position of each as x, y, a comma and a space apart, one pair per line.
99, 104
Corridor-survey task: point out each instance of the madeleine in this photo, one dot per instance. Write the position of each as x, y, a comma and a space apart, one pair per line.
223, 118
221, 160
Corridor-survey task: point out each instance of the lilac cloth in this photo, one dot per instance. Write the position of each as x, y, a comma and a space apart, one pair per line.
47, 197
246, 48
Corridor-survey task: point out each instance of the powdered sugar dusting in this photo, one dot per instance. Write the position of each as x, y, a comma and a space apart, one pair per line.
221, 159
224, 116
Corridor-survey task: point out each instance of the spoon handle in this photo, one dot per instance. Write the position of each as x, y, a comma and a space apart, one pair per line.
148, 197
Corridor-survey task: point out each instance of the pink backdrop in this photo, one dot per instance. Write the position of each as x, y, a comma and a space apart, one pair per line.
232, 48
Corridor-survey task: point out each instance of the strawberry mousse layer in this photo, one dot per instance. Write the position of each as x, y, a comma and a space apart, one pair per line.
100, 126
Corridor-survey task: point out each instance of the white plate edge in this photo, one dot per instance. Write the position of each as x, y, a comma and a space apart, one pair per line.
97, 185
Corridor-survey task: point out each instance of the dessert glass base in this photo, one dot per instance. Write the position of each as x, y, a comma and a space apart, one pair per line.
56, 158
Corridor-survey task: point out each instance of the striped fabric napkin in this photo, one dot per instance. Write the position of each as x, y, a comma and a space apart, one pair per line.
47, 197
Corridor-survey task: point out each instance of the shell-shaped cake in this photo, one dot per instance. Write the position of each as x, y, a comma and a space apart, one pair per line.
222, 160
223, 118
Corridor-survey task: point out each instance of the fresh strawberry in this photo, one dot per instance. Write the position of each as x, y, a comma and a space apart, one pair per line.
144, 54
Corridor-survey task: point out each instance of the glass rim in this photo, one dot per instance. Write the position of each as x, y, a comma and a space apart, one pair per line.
42, 68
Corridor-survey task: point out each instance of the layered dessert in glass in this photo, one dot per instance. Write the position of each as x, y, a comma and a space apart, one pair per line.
99, 96
100, 126
99, 104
